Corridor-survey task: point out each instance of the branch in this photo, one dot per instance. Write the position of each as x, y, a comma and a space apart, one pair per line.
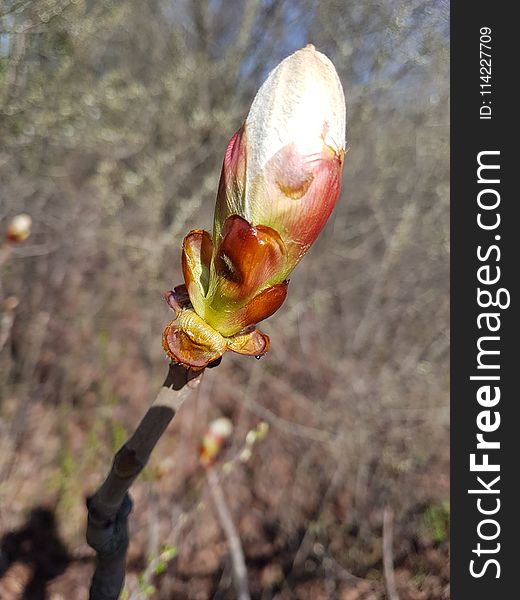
233, 539
109, 507
388, 553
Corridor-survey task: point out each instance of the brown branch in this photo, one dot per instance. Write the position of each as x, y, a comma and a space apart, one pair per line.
109, 507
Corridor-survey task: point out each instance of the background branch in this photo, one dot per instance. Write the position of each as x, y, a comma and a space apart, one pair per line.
235, 547
388, 553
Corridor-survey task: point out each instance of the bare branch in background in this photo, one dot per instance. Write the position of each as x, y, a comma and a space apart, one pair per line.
232, 536
388, 553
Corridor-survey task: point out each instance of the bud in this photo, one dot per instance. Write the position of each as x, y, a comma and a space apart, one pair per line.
19, 229
218, 432
280, 181
284, 165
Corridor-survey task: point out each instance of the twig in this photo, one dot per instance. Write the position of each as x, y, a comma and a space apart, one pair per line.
109, 507
233, 539
388, 553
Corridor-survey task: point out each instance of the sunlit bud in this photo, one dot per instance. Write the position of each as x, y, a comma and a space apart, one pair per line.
245, 455
218, 432
20, 228
282, 169
262, 430
280, 181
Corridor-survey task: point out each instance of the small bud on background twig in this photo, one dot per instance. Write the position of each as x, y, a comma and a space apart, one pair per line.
19, 229
218, 432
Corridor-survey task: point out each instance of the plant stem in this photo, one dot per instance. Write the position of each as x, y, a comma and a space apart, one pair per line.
109, 507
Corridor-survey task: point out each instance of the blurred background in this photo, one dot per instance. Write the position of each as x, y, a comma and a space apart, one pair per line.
114, 117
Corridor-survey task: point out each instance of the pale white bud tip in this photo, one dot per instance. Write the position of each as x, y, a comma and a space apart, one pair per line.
221, 427
20, 228
301, 102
